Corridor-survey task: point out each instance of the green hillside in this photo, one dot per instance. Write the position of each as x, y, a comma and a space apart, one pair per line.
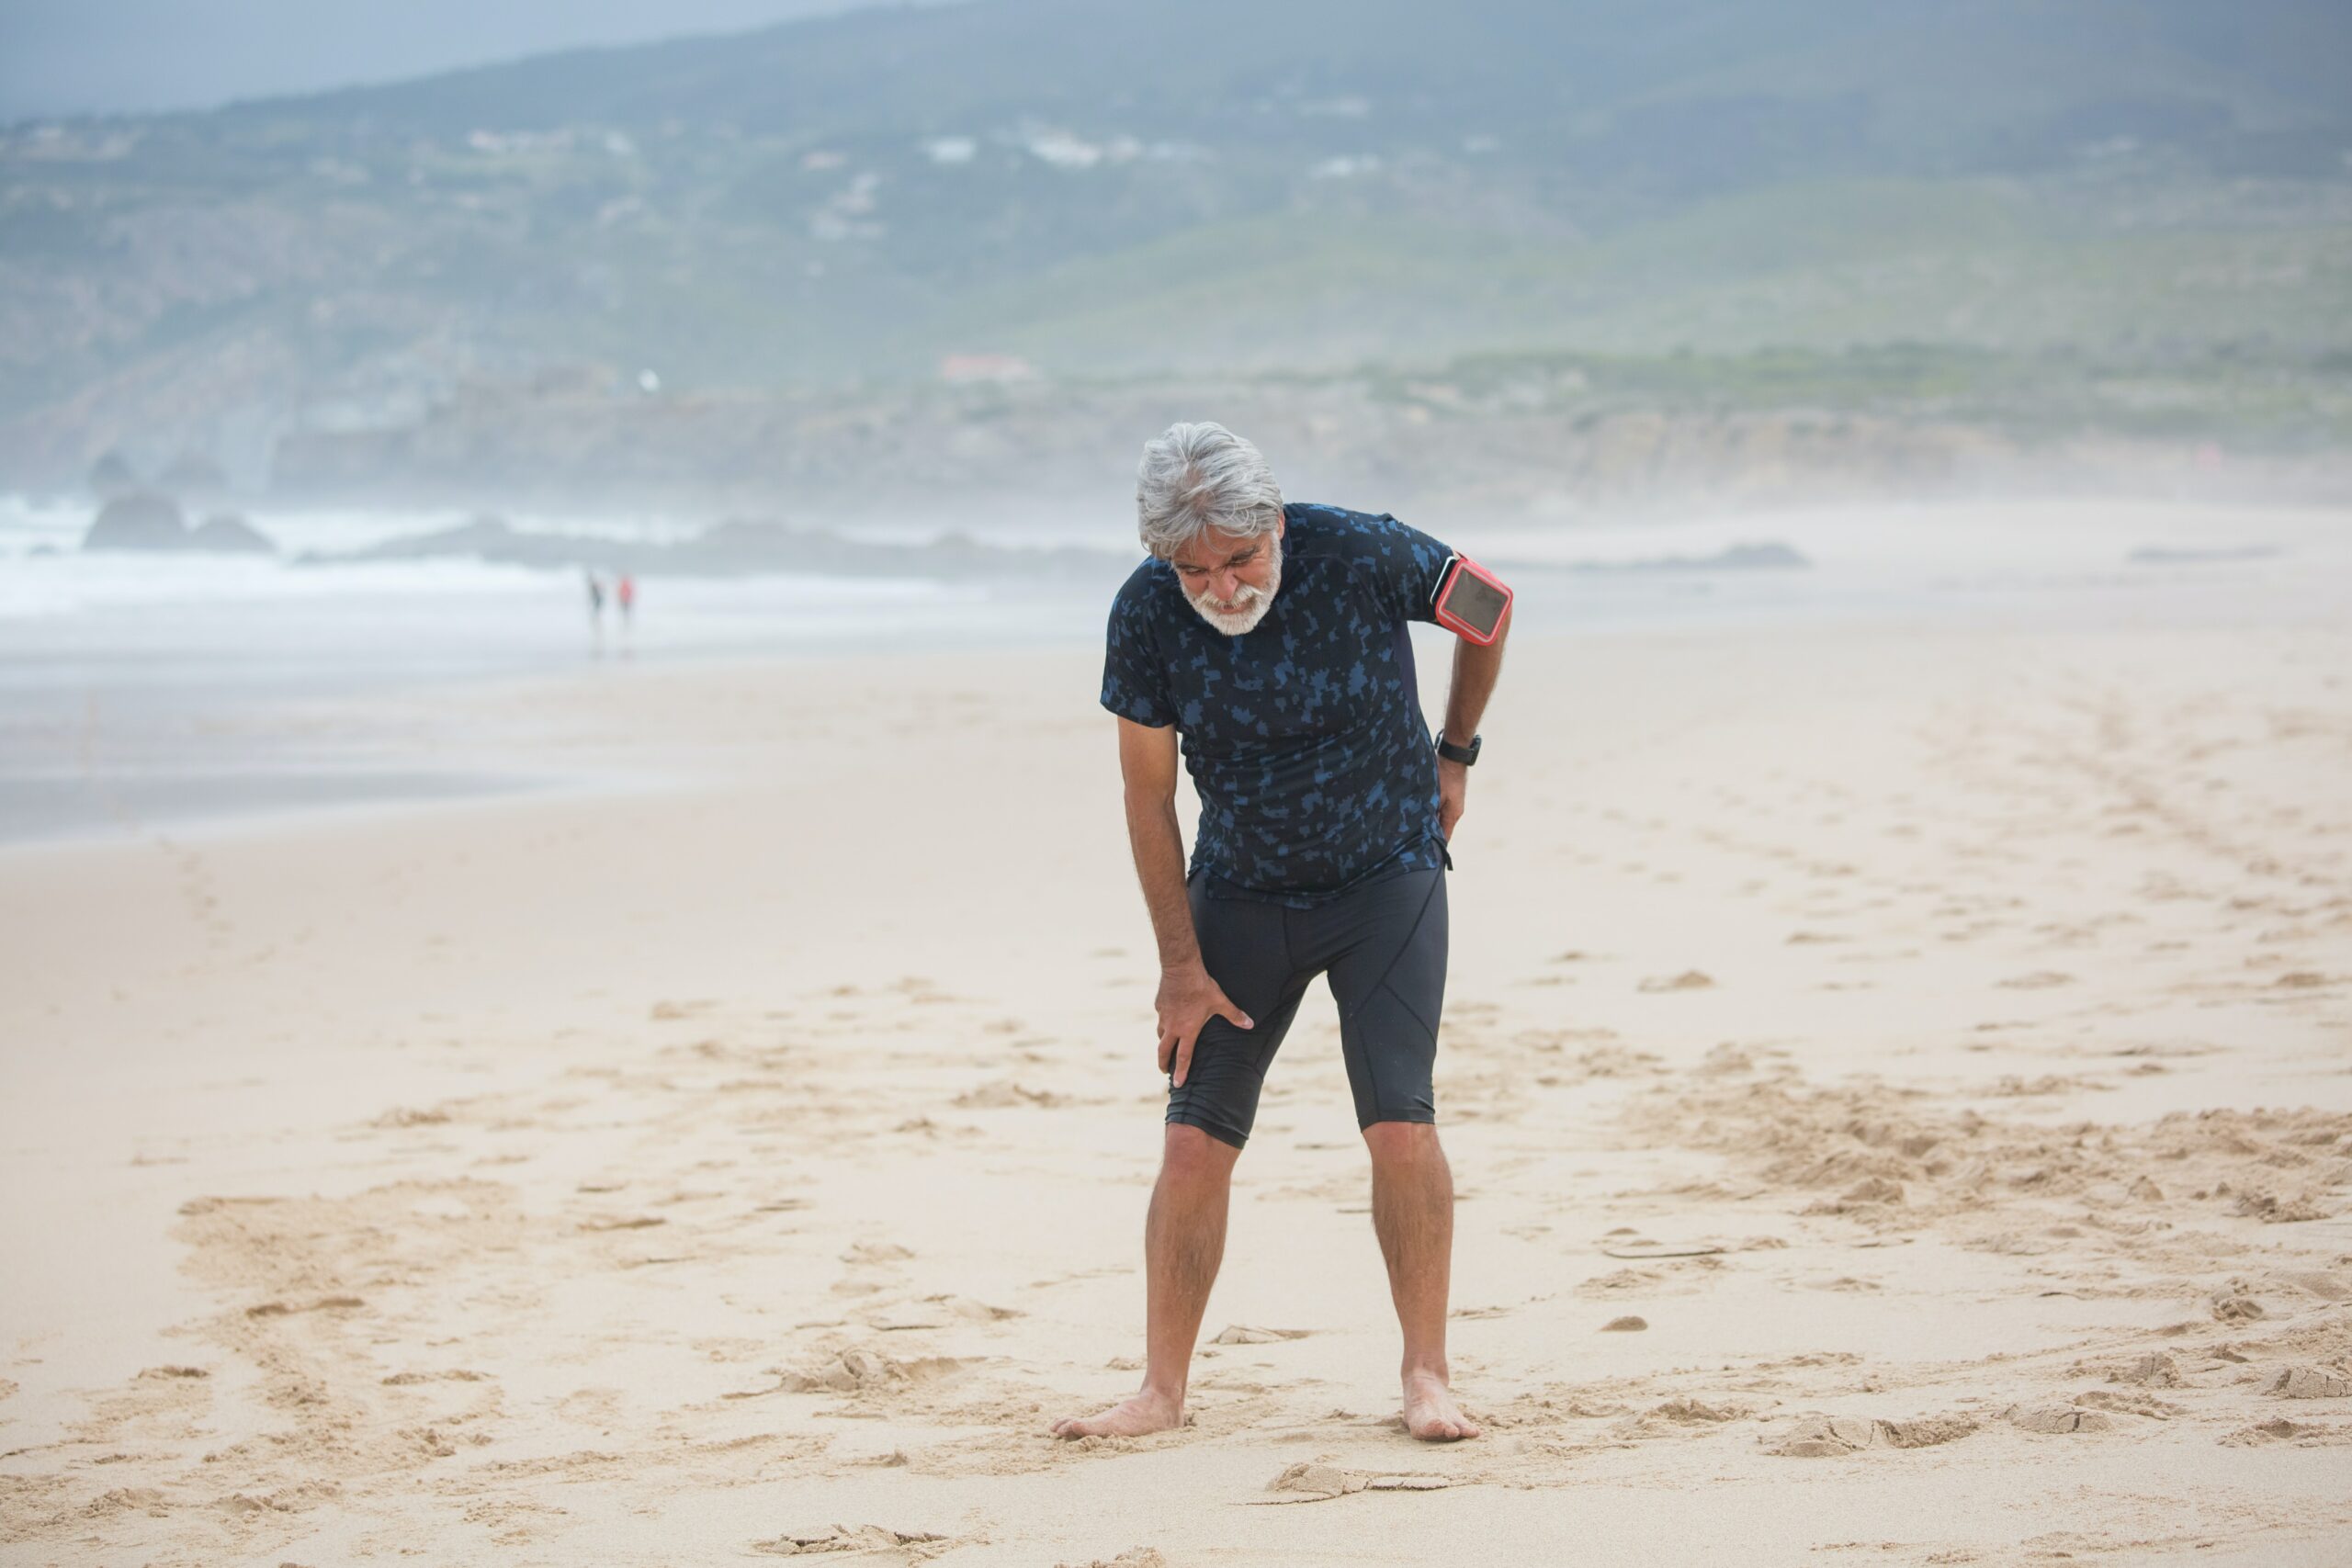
1307, 187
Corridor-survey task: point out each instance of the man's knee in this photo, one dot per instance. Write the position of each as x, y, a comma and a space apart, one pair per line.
1189, 1156
1403, 1144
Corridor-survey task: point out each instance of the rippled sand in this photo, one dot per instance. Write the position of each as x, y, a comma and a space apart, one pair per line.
1900, 1086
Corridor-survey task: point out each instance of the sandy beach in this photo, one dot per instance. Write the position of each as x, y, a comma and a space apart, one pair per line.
1899, 1083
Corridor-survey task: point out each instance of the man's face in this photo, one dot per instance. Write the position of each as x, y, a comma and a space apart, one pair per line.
1232, 579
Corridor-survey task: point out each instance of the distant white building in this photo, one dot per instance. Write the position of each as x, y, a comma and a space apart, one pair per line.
1064, 150
1002, 369
502, 142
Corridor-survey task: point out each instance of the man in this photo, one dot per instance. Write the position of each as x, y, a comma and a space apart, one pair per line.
1272, 638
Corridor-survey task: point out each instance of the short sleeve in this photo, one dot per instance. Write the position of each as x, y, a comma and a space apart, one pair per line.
1134, 682
1409, 566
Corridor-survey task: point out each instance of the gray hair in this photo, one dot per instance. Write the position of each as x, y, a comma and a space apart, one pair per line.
1201, 476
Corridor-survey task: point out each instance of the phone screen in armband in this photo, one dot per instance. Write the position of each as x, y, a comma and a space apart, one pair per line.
1470, 601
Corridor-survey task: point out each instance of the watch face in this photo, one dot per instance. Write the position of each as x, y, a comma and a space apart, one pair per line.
1475, 601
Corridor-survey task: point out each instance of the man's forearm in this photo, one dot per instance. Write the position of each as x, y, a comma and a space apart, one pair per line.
1475, 670
1159, 848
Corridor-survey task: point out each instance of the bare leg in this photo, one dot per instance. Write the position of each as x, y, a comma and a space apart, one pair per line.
1412, 1210
1183, 1241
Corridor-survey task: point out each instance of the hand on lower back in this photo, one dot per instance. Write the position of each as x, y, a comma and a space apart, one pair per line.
1452, 794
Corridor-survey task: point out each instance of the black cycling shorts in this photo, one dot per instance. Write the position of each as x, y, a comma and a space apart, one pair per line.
1382, 946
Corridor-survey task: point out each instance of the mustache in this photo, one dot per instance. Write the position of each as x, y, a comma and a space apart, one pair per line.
1248, 593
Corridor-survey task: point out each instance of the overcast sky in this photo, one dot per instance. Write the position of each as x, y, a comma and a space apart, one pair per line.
64, 57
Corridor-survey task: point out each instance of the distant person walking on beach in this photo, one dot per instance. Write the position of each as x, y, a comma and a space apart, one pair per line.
625, 598
1271, 636
596, 599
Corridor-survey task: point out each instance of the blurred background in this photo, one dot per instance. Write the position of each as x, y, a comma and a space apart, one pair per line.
362, 348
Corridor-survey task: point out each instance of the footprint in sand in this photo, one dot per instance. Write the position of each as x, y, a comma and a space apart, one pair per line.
2130, 1404
1725, 1060
1830, 1436
1635, 1247
972, 1309
2278, 1429
325, 1304
1676, 1417
1003, 1094
599, 1407
2057, 1420
866, 1260
893, 1321
2309, 1382
2232, 1305
1316, 1482
1238, 1334
841, 1537
2155, 1369
859, 1370
876, 1252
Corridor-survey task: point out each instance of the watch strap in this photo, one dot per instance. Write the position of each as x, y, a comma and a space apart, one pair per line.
1466, 755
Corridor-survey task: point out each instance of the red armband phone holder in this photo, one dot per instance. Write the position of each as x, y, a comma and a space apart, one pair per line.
1470, 601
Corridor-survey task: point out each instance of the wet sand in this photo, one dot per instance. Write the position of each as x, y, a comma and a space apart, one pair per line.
1899, 1085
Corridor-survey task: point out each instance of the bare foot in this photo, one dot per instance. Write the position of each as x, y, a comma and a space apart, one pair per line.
1431, 1413
1146, 1411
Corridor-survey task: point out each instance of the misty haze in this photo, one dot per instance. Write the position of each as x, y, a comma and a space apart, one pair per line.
575, 986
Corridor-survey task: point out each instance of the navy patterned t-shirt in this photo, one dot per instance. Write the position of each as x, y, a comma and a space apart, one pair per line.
1304, 739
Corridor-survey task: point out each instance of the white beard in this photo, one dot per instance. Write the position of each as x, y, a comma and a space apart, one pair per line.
1251, 604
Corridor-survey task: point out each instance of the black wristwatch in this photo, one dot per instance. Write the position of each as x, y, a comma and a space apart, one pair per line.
1466, 755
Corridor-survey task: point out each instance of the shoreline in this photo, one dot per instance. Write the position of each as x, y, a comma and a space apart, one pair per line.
281, 702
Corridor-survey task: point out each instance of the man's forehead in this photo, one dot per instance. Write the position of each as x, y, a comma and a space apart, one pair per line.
1215, 546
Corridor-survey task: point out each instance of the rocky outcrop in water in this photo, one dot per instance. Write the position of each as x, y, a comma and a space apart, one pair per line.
139, 521
228, 533
145, 521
